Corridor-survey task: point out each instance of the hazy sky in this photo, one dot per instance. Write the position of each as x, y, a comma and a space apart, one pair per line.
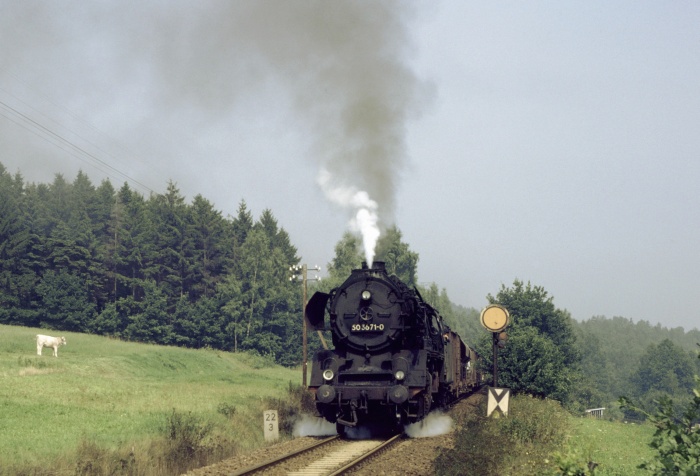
552, 142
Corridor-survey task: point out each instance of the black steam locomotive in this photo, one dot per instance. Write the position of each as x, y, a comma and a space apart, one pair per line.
394, 358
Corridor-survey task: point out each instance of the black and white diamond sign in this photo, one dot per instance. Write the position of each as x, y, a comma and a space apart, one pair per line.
498, 399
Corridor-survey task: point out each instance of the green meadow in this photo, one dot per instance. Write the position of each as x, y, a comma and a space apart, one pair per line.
110, 407
114, 396
539, 437
617, 447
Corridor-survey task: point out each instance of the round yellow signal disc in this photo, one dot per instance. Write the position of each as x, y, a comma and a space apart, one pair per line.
495, 317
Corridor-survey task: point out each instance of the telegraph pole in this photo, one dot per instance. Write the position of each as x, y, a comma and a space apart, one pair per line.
303, 270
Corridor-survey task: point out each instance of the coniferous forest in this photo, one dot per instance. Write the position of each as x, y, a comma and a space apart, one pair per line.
80, 257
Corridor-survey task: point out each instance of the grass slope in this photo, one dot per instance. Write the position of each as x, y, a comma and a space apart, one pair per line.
617, 447
113, 393
540, 437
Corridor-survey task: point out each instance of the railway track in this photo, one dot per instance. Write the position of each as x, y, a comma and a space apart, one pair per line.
329, 457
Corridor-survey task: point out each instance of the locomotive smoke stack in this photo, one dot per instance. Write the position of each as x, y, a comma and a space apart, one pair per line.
377, 269
377, 266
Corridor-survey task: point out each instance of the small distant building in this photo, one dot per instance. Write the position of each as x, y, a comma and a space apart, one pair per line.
595, 412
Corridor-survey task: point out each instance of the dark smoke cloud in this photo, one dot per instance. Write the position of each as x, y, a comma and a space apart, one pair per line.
343, 65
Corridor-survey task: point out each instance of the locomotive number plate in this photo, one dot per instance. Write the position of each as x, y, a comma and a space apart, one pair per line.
367, 327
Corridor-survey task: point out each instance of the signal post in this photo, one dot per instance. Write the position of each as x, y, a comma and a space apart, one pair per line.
495, 318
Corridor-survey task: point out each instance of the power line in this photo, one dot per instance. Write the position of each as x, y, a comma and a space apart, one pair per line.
64, 144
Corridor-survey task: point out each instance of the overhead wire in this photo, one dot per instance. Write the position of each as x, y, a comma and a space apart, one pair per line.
58, 140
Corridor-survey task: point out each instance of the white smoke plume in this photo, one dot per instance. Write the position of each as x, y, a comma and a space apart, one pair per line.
365, 218
309, 425
435, 424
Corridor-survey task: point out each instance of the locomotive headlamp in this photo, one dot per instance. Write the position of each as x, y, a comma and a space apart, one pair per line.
366, 295
328, 375
399, 375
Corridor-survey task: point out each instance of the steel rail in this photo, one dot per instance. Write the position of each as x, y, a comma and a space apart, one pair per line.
363, 457
275, 461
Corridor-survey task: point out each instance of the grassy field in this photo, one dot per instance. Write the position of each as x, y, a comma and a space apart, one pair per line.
116, 394
108, 399
540, 437
617, 447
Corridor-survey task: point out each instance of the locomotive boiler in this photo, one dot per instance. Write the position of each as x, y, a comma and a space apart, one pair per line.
394, 359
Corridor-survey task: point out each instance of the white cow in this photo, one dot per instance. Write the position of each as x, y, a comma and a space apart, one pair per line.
48, 341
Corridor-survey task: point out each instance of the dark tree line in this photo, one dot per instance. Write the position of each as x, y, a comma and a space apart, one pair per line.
85, 258
638, 360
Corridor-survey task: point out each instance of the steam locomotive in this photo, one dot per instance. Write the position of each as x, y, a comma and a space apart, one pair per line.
394, 359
